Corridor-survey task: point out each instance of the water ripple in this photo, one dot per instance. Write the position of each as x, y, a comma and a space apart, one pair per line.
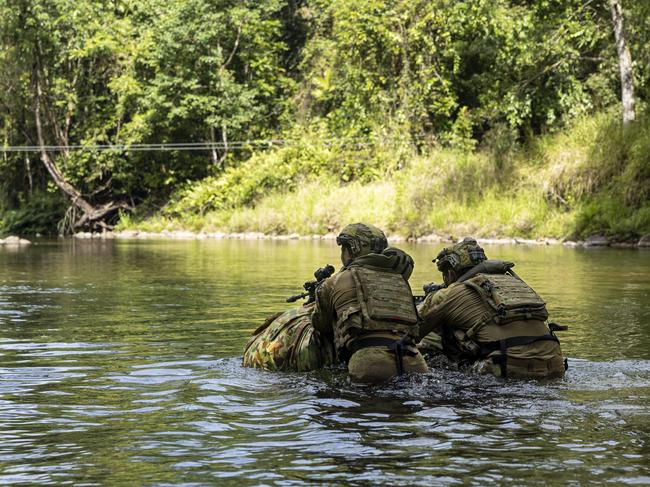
117, 370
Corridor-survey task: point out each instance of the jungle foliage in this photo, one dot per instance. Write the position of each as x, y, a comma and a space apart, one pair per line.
356, 91
592, 177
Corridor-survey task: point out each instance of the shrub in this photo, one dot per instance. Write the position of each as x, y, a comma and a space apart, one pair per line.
40, 214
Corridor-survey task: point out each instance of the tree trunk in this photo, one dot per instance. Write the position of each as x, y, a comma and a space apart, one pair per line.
624, 62
224, 137
91, 215
59, 180
215, 156
28, 170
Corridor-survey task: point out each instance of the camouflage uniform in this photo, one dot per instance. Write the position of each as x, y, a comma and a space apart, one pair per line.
490, 317
367, 308
288, 342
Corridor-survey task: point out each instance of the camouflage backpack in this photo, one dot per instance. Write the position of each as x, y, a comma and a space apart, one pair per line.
287, 341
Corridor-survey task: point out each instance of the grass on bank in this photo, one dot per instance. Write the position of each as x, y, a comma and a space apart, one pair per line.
593, 177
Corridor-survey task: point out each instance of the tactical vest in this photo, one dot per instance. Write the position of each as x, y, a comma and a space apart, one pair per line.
384, 304
508, 297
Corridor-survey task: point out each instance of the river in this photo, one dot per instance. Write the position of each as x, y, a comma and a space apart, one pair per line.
120, 364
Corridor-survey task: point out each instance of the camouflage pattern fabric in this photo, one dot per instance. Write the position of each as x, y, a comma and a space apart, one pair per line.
288, 342
362, 239
462, 255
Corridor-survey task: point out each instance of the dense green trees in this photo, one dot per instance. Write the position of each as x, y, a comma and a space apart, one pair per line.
441, 65
125, 72
220, 72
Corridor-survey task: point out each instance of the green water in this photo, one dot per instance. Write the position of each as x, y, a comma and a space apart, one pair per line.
120, 365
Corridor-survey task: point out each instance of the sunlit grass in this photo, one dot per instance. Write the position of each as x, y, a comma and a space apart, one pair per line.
591, 178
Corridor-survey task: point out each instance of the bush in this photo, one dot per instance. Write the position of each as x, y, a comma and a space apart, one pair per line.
592, 178
40, 214
311, 155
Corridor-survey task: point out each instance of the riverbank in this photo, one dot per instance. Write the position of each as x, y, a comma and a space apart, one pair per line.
594, 241
587, 183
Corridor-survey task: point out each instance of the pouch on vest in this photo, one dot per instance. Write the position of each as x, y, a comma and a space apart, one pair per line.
510, 297
384, 297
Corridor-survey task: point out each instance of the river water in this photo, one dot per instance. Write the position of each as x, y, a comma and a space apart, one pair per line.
120, 365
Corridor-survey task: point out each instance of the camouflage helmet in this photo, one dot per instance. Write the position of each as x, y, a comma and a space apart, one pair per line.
362, 239
467, 253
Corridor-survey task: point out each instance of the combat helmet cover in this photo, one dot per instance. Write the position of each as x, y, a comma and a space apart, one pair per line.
362, 239
462, 255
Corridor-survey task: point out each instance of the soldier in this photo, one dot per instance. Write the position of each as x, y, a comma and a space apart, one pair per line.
367, 308
287, 341
489, 317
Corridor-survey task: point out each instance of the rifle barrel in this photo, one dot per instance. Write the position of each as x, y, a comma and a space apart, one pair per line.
291, 299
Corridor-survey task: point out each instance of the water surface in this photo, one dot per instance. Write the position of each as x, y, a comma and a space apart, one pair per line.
120, 365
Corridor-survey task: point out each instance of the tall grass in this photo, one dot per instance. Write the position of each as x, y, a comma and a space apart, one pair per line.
594, 177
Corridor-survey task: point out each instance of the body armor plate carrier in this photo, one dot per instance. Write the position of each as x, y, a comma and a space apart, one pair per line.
385, 301
510, 297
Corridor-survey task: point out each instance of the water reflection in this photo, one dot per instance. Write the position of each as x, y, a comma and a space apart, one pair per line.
119, 365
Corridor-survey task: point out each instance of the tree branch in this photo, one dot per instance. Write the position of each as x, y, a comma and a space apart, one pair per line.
234, 49
59, 180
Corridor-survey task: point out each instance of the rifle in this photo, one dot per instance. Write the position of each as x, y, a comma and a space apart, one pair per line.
432, 287
321, 274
